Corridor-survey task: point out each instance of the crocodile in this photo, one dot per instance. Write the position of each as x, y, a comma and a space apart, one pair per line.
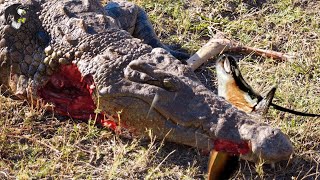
106, 64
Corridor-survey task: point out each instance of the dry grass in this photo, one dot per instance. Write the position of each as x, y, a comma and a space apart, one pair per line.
36, 144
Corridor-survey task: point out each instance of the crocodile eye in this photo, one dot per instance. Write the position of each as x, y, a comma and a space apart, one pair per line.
169, 84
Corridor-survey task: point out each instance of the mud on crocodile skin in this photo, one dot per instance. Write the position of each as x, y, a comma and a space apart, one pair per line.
81, 56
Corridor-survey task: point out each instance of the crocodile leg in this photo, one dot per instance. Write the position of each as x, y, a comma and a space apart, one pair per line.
219, 44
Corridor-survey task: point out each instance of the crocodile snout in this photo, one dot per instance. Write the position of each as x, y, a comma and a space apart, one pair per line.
268, 144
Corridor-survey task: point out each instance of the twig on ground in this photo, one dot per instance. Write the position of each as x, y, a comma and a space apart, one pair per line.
219, 44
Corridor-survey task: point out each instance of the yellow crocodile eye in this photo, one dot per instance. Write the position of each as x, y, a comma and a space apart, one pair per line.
169, 84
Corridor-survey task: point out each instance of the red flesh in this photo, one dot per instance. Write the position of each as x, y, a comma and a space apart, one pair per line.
231, 147
72, 96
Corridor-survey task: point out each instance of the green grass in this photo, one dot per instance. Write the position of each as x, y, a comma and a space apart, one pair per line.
37, 144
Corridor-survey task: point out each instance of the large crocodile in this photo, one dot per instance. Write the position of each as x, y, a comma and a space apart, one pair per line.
91, 61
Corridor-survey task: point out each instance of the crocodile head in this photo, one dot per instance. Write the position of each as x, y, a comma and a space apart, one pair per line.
71, 54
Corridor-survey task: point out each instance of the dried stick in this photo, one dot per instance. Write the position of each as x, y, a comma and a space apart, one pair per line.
219, 45
263, 52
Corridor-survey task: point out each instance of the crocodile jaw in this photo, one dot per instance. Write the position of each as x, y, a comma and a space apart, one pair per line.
268, 145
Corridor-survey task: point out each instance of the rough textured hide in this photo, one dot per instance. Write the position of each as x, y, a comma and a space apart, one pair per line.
151, 88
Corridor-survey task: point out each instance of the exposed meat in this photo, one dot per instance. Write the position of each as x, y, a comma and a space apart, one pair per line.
231, 147
71, 94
